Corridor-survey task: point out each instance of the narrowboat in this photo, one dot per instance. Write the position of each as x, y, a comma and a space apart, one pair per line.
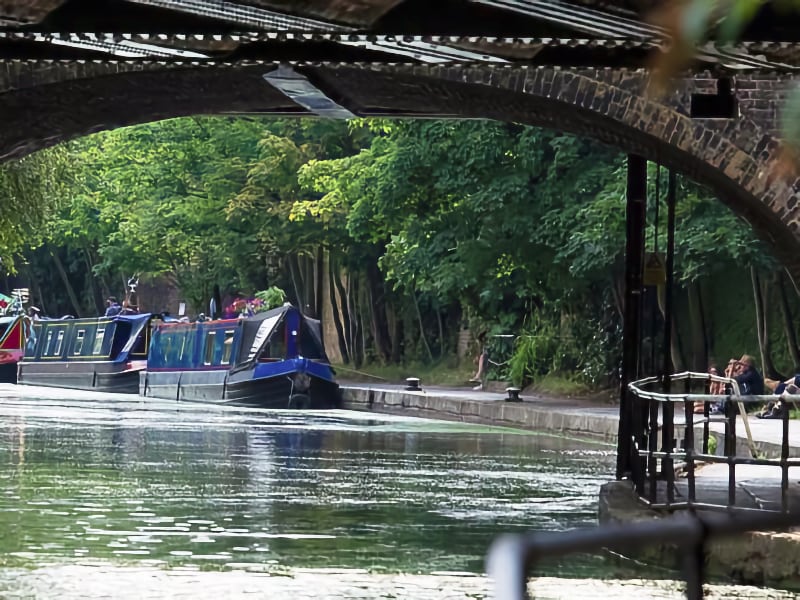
273, 359
102, 354
14, 330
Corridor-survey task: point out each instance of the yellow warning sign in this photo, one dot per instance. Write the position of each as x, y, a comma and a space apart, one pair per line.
655, 271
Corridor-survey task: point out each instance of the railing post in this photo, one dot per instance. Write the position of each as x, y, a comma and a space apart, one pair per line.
694, 565
652, 447
688, 447
785, 457
669, 408
730, 449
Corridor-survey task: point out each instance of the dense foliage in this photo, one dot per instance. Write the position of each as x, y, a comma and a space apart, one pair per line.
400, 234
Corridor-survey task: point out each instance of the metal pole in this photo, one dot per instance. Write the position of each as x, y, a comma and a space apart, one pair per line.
668, 411
652, 369
631, 424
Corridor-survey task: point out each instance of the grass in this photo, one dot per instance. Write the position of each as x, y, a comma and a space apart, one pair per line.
449, 374
441, 373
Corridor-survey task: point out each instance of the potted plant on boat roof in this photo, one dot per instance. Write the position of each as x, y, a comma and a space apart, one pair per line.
268, 299
262, 301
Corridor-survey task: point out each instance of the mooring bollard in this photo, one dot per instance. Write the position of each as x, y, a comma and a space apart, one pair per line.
412, 384
513, 394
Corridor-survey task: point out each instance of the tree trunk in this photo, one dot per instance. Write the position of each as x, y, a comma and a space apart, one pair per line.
699, 346
337, 322
396, 337
439, 323
788, 325
294, 273
73, 298
377, 297
36, 290
319, 266
675, 350
355, 321
342, 293
759, 297
422, 328
90, 281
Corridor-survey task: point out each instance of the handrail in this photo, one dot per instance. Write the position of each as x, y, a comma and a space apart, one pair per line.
511, 556
635, 387
648, 464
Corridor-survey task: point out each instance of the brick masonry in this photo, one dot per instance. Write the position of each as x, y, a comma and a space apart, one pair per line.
44, 102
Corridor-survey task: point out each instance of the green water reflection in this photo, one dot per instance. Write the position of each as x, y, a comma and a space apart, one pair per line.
118, 497
210, 487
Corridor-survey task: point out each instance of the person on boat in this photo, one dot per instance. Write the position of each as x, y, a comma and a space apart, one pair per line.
128, 308
744, 373
112, 307
34, 313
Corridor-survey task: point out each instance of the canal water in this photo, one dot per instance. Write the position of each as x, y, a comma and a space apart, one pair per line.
119, 497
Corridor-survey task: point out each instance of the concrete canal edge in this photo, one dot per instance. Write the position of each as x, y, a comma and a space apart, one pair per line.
490, 409
760, 558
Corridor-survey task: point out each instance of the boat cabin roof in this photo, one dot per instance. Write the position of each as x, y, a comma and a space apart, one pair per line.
117, 339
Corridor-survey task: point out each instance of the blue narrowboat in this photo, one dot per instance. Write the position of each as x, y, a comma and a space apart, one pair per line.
273, 359
102, 354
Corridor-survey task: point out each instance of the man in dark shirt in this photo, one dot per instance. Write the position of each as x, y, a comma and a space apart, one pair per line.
113, 307
749, 380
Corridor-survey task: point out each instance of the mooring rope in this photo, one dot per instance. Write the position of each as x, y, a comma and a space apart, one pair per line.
340, 368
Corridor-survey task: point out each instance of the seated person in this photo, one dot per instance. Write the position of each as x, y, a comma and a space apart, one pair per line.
777, 408
744, 372
715, 388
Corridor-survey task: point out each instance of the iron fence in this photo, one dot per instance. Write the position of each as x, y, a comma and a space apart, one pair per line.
659, 442
512, 557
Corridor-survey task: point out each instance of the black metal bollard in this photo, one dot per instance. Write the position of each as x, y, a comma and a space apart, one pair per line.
412, 384
513, 394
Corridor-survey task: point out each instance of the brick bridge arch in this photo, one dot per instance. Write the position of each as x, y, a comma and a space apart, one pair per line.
46, 102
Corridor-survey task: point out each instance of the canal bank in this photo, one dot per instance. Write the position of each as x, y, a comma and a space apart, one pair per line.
761, 558
568, 417
585, 417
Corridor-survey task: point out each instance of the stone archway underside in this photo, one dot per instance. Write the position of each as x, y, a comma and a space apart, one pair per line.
736, 158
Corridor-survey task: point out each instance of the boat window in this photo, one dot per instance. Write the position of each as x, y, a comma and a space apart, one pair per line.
98, 341
208, 356
227, 347
77, 346
188, 337
308, 343
276, 347
59, 343
47, 343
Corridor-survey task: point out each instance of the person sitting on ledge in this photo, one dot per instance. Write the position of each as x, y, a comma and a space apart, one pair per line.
744, 372
777, 408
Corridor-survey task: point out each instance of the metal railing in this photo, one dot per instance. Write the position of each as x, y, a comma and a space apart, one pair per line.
658, 446
512, 557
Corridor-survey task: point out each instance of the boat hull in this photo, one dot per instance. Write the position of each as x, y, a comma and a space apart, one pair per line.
8, 372
219, 388
110, 378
